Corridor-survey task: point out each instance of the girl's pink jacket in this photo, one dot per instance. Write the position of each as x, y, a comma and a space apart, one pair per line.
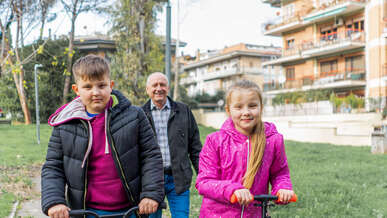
223, 163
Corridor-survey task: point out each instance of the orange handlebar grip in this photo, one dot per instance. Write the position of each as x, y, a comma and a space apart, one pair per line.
293, 199
234, 198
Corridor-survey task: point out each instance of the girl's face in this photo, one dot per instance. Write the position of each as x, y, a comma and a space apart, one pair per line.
244, 109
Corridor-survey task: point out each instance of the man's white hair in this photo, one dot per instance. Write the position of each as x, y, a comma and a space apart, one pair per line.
155, 74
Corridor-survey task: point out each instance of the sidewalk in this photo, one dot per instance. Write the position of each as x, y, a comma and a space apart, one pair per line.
32, 207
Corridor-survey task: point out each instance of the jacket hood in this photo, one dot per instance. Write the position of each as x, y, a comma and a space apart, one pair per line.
76, 109
229, 128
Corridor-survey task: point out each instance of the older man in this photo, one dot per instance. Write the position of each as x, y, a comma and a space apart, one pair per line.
178, 137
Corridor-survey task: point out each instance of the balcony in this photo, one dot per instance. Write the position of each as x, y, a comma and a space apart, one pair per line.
333, 44
232, 72
312, 15
350, 78
333, 9
347, 79
274, 3
293, 84
187, 80
269, 86
288, 55
385, 27
283, 24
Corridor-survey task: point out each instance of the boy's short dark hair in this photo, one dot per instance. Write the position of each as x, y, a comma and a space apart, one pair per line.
91, 67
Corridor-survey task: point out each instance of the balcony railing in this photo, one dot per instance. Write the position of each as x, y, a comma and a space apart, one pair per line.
334, 76
330, 43
311, 14
271, 86
291, 51
282, 21
187, 80
230, 72
324, 78
293, 84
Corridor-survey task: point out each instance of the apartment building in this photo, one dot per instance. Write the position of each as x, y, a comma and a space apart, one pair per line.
332, 44
218, 69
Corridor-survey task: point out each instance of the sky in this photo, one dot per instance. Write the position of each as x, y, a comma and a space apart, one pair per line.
214, 24
204, 24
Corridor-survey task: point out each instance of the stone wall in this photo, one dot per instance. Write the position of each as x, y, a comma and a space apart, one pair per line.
339, 129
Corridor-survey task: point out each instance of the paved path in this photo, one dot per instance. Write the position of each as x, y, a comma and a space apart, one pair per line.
32, 207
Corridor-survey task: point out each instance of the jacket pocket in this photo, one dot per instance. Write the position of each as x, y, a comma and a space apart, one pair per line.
187, 171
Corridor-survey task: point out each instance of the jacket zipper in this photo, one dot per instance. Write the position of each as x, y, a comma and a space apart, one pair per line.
85, 174
118, 161
247, 167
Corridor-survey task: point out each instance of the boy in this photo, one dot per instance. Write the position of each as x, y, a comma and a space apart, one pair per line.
102, 149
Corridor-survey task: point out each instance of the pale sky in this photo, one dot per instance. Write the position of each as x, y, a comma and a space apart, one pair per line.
204, 24
214, 24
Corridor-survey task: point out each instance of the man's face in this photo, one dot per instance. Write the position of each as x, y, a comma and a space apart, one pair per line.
157, 89
94, 94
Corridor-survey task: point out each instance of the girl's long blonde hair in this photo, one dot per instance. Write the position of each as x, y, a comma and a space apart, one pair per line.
257, 138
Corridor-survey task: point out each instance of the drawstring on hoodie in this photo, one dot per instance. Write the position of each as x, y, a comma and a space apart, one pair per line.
106, 139
90, 143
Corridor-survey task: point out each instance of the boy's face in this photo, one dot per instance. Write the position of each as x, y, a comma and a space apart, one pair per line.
95, 93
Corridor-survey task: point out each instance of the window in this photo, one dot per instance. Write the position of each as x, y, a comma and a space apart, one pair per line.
328, 68
290, 74
328, 34
289, 43
325, 2
357, 26
288, 11
355, 64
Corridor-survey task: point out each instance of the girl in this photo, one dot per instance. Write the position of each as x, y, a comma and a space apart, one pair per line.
242, 158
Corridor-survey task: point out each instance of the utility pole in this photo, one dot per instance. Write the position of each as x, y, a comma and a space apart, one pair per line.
168, 45
176, 89
37, 102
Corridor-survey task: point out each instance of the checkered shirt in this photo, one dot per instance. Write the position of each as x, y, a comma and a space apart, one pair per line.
160, 119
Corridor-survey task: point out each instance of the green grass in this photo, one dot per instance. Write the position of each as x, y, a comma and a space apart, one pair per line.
20, 158
330, 181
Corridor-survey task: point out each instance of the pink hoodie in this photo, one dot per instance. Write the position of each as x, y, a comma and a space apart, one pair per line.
223, 163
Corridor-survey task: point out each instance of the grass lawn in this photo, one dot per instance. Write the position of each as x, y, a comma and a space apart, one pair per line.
330, 181
20, 160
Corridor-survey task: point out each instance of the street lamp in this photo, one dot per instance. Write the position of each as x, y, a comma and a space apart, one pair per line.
168, 45
37, 102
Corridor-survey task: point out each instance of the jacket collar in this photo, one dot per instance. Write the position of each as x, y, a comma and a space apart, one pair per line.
147, 106
76, 110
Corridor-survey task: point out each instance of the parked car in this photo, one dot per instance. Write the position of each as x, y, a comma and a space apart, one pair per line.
1, 113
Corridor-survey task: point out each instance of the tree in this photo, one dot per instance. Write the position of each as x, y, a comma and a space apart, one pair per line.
13, 61
138, 48
44, 6
50, 77
73, 9
12, 57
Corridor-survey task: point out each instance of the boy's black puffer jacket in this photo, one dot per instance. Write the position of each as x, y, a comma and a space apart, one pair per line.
136, 155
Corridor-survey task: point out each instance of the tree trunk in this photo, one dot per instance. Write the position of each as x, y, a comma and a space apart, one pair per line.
43, 20
19, 79
69, 60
